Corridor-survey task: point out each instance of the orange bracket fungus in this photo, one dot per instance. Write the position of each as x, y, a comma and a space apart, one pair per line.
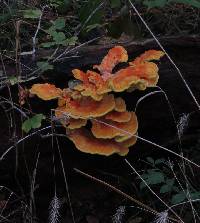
113, 128
46, 91
115, 56
86, 142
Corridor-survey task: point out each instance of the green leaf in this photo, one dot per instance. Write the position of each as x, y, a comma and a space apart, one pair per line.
70, 41
36, 120
59, 23
44, 65
13, 80
51, 31
48, 44
152, 177
165, 189
115, 3
26, 126
32, 123
32, 13
170, 182
58, 37
168, 187
155, 178
178, 198
181, 196
195, 195
56, 3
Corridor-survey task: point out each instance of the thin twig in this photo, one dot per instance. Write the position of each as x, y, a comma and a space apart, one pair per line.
58, 58
185, 202
151, 210
35, 35
66, 183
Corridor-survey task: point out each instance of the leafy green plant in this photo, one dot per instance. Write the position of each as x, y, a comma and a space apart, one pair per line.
33, 123
161, 177
44, 65
152, 177
58, 36
32, 13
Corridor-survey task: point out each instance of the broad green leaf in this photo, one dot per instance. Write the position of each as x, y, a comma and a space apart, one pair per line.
26, 126
70, 41
59, 23
51, 30
155, 178
58, 37
56, 3
195, 195
168, 187
170, 182
178, 198
48, 44
152, 177
32, 13
36, 120
44, 65
165, 189
181, 196
32, 123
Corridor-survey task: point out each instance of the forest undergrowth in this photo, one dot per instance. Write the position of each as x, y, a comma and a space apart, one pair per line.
160, 187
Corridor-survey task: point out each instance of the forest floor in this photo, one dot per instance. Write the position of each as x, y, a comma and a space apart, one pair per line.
40, 174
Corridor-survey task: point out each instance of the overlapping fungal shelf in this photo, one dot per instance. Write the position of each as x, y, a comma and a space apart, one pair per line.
92, 99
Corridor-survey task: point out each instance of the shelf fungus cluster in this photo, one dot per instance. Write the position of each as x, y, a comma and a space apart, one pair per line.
97, 121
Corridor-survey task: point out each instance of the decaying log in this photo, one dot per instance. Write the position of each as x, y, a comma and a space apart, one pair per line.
154, 112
